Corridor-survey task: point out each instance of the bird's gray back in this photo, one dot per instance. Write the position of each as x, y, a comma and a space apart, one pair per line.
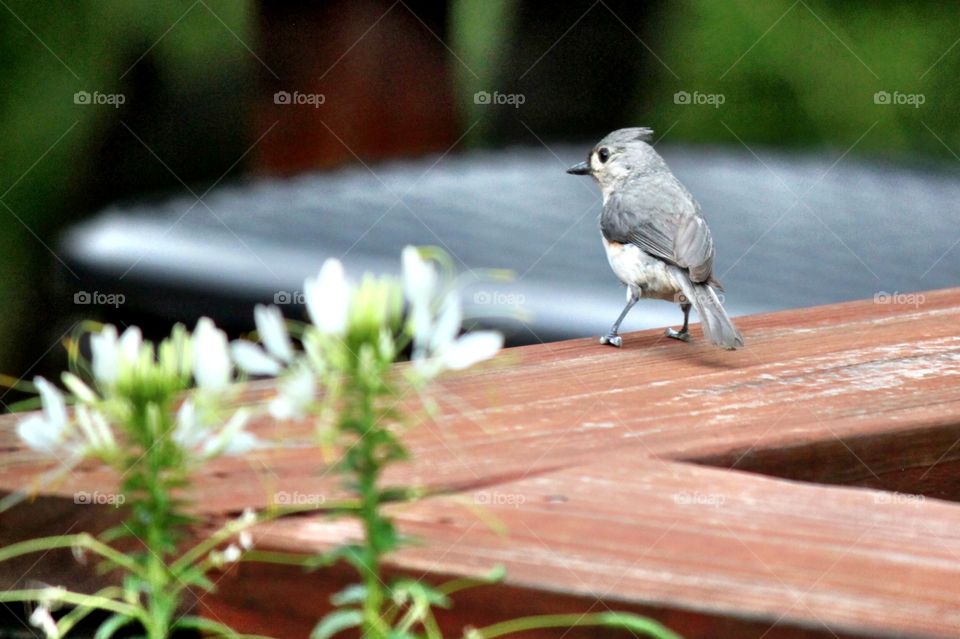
655, 212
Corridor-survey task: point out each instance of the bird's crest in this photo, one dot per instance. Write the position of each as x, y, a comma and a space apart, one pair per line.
631, 134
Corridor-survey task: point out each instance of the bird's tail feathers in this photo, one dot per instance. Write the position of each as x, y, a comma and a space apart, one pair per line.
717, 326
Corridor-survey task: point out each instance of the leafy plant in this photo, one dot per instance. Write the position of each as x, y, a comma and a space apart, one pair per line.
350, 349
156, 412
138, 423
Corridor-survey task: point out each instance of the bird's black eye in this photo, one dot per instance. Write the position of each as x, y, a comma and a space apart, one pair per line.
603, 154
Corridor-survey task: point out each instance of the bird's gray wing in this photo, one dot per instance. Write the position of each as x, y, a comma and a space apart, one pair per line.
662, 218
693, 247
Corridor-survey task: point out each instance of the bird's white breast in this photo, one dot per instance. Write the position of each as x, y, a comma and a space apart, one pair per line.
636, 269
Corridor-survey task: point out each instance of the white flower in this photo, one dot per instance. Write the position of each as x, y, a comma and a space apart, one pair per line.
295, 393
251, 357
41, 618
471, 349
193, 433
95, 429
77, 386
240, 444
245, 540
130, 343
419, 276
212, 368
187, 432
273, 332
79, 554
104, 348
437, 348
231, 554
112, 354
328, 298
44, 432
52, 429
419, 287
232, 439
447, 326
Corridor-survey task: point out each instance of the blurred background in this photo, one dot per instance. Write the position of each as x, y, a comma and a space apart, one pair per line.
164, 159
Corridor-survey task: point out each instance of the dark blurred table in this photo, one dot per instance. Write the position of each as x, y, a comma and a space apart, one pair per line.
791, 231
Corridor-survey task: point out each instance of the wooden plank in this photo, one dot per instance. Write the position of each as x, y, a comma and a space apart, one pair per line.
829, 384
673, 537
599, 442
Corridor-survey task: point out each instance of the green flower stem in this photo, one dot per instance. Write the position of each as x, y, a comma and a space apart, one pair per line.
67, 622
374, 626
74, 598
210, 563
192, 622
432, 628
202, 549
412, 616
198, 552
82, 540
628, 622
465, 583
275, 557
152, 479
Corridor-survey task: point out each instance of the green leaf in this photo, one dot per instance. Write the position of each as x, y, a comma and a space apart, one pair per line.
113, 534
383, 536
496, 575
109, 627
352, 594
194, 577
208, 626
409, 590
335, 622
636, 624
397, 493
351, 553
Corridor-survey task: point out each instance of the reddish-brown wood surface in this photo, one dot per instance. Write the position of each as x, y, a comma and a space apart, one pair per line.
661, 478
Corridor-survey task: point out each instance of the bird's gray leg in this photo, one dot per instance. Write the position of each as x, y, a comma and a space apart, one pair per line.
683, 335
611, 337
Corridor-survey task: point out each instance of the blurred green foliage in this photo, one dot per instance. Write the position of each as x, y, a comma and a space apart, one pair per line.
791, 73
481, 33
805, 73
48, 144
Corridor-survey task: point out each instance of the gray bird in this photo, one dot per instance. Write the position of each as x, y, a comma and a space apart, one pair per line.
656, 239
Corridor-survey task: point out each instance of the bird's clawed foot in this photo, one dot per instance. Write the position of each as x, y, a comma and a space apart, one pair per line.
681, 335
612, 339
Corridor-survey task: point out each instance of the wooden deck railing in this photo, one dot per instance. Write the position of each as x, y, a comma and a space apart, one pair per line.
800, 487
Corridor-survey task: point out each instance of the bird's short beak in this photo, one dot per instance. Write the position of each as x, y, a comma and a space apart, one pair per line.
579, 169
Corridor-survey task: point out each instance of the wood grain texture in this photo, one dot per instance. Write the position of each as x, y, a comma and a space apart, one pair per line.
662, 478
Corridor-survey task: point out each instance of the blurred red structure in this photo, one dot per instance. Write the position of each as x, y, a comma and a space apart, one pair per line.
381, 68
